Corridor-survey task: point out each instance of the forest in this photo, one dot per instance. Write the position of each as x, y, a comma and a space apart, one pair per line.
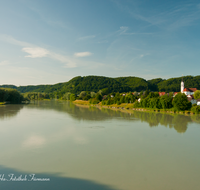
108, 84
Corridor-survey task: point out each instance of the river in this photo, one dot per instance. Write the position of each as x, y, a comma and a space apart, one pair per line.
76, 148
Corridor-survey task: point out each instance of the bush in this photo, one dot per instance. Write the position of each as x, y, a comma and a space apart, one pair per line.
195, 109
93, 101
181, 102
72, 97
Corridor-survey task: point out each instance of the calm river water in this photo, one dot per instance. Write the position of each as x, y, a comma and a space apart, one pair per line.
78, 148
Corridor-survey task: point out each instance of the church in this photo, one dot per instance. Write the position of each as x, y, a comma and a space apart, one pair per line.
188, 92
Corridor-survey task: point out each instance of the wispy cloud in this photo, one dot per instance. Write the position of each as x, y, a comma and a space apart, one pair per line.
35, 52
122, 29
38, 52
69, 62
83, 54
185, 14
86, 37
11, 40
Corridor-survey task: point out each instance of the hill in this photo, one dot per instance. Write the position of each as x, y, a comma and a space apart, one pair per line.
119, 84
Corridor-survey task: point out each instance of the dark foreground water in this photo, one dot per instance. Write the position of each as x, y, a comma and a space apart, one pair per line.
78, 148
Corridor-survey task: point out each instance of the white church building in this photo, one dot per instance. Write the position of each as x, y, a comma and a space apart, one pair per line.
189, 93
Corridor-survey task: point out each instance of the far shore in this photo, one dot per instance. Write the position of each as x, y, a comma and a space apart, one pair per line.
127, 107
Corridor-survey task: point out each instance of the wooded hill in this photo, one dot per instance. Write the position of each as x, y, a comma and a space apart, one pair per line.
120, 84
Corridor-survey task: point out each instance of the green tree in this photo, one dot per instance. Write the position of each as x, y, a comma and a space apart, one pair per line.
166, 101
82, 95
92, 94
197, 94
72, 97
98, 97
66, 96
3, 95
181, 102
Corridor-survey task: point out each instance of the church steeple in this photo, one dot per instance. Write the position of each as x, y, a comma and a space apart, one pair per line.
182, 85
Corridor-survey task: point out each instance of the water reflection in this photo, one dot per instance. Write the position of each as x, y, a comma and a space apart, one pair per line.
77, 112
56, 182
7, 111
178, 122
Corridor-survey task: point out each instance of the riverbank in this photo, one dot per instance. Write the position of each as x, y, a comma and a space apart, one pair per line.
129, 107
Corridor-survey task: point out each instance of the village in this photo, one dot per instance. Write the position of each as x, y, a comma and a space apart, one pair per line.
189, 92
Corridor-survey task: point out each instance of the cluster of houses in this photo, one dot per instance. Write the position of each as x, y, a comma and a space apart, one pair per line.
188, 92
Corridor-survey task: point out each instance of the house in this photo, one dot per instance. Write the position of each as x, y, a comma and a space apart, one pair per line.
191, 99
198, 102
189, 91
161, 93
175, 93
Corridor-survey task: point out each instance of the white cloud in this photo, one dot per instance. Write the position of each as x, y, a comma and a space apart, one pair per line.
4, 63
38, 52
83, 54
86, 37
35, 52
41, 52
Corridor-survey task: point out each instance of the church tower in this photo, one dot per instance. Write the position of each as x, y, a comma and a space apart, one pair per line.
182, 85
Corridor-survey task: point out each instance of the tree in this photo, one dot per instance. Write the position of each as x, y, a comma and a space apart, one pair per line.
166, 101
67, 96
181, 102
72, 97
197, 94
3, 95
92, 94
82, 95
98, 97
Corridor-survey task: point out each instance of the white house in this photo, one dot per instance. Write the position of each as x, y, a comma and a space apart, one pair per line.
189, 91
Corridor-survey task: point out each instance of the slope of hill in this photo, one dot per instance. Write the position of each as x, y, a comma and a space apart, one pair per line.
119, 84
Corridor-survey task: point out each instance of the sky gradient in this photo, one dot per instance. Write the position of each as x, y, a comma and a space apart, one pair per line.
49, 41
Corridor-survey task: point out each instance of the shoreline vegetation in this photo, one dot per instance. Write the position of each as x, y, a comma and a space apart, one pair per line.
139, 101
129, 107
156, 95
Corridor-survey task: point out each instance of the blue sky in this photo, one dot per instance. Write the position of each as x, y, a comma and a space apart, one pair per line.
52, 41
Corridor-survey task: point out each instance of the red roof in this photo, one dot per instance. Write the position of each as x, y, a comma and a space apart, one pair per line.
189, 90
175, 93
161, 93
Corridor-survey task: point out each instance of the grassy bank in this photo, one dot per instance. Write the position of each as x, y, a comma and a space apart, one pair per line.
129, 106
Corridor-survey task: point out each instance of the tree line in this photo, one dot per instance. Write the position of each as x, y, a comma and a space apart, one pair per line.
119, 84
10, 96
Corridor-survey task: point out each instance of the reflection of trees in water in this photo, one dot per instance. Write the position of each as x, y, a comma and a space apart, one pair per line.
77, 112
10, 110
178, 122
